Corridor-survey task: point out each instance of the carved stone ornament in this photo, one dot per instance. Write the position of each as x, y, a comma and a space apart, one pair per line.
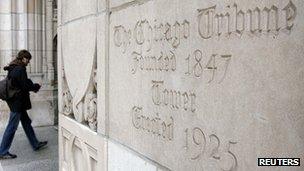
67, 98
90, 112
79, 67
88, 153
90, 101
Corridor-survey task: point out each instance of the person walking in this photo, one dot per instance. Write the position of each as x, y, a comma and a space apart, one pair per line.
19, 104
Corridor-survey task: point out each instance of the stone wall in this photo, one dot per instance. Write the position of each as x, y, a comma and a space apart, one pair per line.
180, 85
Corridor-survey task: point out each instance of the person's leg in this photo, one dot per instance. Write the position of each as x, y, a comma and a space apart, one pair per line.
9, 133
28, 129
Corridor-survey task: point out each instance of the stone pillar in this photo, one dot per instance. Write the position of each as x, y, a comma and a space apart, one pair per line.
31, 18
6, 32
44, 104
49, 41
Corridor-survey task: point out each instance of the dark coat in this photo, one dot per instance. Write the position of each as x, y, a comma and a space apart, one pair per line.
21, 101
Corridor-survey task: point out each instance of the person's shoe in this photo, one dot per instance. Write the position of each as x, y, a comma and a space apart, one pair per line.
40, 145
8, 156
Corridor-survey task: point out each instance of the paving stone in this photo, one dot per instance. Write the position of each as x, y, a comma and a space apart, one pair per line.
28, 160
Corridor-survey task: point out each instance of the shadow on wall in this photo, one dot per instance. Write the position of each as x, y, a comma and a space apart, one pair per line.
55, 83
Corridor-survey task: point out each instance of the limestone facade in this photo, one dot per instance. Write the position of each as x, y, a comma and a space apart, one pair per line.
31, 25
180, 85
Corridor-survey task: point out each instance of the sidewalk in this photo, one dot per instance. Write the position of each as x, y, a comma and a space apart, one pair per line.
29, 160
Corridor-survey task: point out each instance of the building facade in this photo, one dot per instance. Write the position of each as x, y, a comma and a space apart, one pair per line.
179, 85
31, 25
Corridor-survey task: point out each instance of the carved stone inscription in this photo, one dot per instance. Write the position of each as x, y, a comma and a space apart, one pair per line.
180, 83
237, 21
173, 99
154, 125
163, 62
199, 145
146, 33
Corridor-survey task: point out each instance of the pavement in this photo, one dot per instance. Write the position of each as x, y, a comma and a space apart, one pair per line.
28, 160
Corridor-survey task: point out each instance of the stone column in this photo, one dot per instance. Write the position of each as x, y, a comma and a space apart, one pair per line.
49, 41
5, 33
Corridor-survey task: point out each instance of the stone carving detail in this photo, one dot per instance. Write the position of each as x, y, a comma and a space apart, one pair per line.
146, 34
215, 64
290, 13
67, 99
89, 154
90, 101
80, 67
154, 125
272, 15
67, 107
162, 63
87, 107
122, 37
171, 98
85, 110
200, 146
252, 21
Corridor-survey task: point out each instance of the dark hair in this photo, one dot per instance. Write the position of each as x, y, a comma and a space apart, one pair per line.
24, 54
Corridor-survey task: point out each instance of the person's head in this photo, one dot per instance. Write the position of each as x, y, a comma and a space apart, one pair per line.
24, 56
